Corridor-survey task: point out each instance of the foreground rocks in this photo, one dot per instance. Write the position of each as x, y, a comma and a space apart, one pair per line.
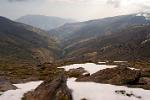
116, 76
122, 75
50, 90
5, 86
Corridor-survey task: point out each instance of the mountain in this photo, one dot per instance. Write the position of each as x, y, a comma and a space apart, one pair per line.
23, 44
43, 22
131, 43
119, 37
94, 28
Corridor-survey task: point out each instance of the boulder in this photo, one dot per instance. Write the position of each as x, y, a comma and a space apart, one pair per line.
50, 90
5, 86
116, 76
144, 80
78, 72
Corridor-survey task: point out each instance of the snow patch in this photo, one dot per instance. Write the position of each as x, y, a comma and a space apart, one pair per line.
145, 41
90, 67
133, 68
120, 61
96, 91
101, 62
18, 93
146, 15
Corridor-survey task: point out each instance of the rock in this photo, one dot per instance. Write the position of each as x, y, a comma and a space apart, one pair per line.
78, 72
50, 90
86, 74
144, 80
145, 72
124, 93
116, 76
5, 86
120, 92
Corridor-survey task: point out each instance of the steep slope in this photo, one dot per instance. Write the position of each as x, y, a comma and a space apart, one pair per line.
130, 43
78, 32
43, 22
25, 44
121, 37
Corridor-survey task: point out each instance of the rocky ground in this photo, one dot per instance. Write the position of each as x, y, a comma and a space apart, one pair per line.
22, 74
56, 89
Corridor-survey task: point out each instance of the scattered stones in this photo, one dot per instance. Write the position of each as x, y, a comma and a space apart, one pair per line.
131, 94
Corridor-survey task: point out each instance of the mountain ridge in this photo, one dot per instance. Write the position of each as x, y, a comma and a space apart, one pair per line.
86, 38
43, 22
24, 42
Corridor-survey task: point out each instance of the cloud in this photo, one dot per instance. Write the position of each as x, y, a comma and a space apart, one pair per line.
75, 9
115, 3
16, 0
144, 7
51, 0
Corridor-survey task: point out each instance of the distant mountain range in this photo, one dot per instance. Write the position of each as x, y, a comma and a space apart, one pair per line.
119, 38
43, 22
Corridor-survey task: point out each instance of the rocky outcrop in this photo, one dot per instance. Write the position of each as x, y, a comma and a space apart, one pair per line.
144, 82
116, 76
50, 90
78, 72
5, 85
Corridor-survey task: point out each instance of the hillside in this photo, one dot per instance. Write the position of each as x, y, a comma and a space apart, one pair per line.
83, 39
43, 22
25, 44
131, 43
120, 38
75, 32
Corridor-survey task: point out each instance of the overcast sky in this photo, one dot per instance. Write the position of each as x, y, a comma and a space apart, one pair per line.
75, 9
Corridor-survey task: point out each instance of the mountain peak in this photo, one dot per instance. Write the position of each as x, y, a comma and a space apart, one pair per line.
4, 18
144, 14
43, 22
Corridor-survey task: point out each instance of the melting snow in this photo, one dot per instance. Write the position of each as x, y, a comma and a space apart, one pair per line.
90, 67
18, 93
102, 62
80, 90
120, 61
97, 91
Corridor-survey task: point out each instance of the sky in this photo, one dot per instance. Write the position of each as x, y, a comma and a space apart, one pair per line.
80, 10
